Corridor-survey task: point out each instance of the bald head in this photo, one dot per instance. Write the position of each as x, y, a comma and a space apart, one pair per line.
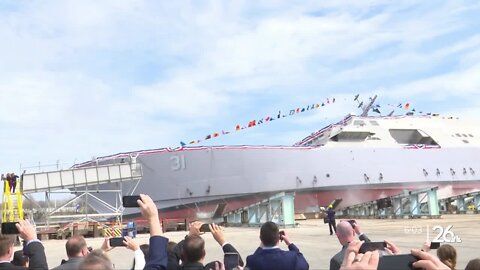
96, 261
76, 247
345, 232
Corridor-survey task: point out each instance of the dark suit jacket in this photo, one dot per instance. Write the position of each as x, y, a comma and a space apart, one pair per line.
269, 259
71, 264
175, 256
337, 260
36, 256
157, 254
11, 266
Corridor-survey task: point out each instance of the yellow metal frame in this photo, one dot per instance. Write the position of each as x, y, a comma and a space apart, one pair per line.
8, 214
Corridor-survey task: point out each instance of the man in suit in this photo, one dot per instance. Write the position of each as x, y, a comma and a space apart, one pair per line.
77, 250
347, 231
269, 256
191, 251
331, 219
33, 249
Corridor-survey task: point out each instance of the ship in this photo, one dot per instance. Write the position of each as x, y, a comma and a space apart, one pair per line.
358, 159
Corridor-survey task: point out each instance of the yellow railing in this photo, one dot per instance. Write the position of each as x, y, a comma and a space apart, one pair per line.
9, 209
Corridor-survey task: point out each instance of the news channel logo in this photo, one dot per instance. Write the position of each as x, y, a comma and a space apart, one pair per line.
440, 234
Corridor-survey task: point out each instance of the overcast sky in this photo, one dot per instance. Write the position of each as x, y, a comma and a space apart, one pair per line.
91, 78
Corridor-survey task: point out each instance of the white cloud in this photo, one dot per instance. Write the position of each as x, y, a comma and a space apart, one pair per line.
462, 83
68, 66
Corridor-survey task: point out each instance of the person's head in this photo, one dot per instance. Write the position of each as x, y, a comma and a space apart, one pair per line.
145, 248
269, 234
96, 261
76, 247
473, 264
171, 246
194, 249
345, 232
19, 259
6, 247
330, 206
448, 255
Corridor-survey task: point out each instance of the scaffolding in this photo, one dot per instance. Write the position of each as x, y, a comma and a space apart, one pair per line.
468, 202
278, 208
87, 184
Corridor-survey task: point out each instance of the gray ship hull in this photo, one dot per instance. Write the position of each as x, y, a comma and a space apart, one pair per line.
188, 180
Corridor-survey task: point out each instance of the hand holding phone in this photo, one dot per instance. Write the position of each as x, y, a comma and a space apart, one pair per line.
9, 228
130, 201
398, 262
117, 242
231, 260
352, 222
205, 227
282, 234
371, 246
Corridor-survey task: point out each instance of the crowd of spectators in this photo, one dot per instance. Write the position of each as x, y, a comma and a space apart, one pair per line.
190, 253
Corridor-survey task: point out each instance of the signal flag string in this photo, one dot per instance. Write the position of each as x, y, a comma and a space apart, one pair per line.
314, 106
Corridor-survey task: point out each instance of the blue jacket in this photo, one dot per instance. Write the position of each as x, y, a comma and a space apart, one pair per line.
269, 259
331, 214
157, 254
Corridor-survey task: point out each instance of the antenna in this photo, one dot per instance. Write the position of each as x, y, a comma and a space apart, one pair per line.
367, 107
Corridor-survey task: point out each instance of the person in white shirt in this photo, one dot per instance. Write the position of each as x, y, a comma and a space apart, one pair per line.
139, 256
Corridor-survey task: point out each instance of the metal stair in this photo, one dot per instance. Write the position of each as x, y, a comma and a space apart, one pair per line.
12, 204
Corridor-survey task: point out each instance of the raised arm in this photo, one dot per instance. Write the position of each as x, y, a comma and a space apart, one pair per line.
33, 249
219, 236
157, 257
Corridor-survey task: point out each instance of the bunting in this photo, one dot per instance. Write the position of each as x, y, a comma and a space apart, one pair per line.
296, 110
267, 119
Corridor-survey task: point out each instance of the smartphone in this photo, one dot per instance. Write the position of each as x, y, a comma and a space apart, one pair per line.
231, 260
371, 246
434, 245
397, 262
352, 222
9, 228
205, 227
130, 201
281, 233
117, 242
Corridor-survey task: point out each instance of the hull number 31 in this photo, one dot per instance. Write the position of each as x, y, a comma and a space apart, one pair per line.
177, 163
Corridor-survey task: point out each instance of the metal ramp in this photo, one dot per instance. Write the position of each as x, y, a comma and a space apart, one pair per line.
278, 208
86, 183
410, 204
81, 177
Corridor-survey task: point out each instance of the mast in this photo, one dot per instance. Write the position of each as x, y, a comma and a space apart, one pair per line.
367, 107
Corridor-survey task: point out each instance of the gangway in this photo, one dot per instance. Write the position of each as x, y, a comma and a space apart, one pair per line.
12, 203
81, 177
279, 208
86, 183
